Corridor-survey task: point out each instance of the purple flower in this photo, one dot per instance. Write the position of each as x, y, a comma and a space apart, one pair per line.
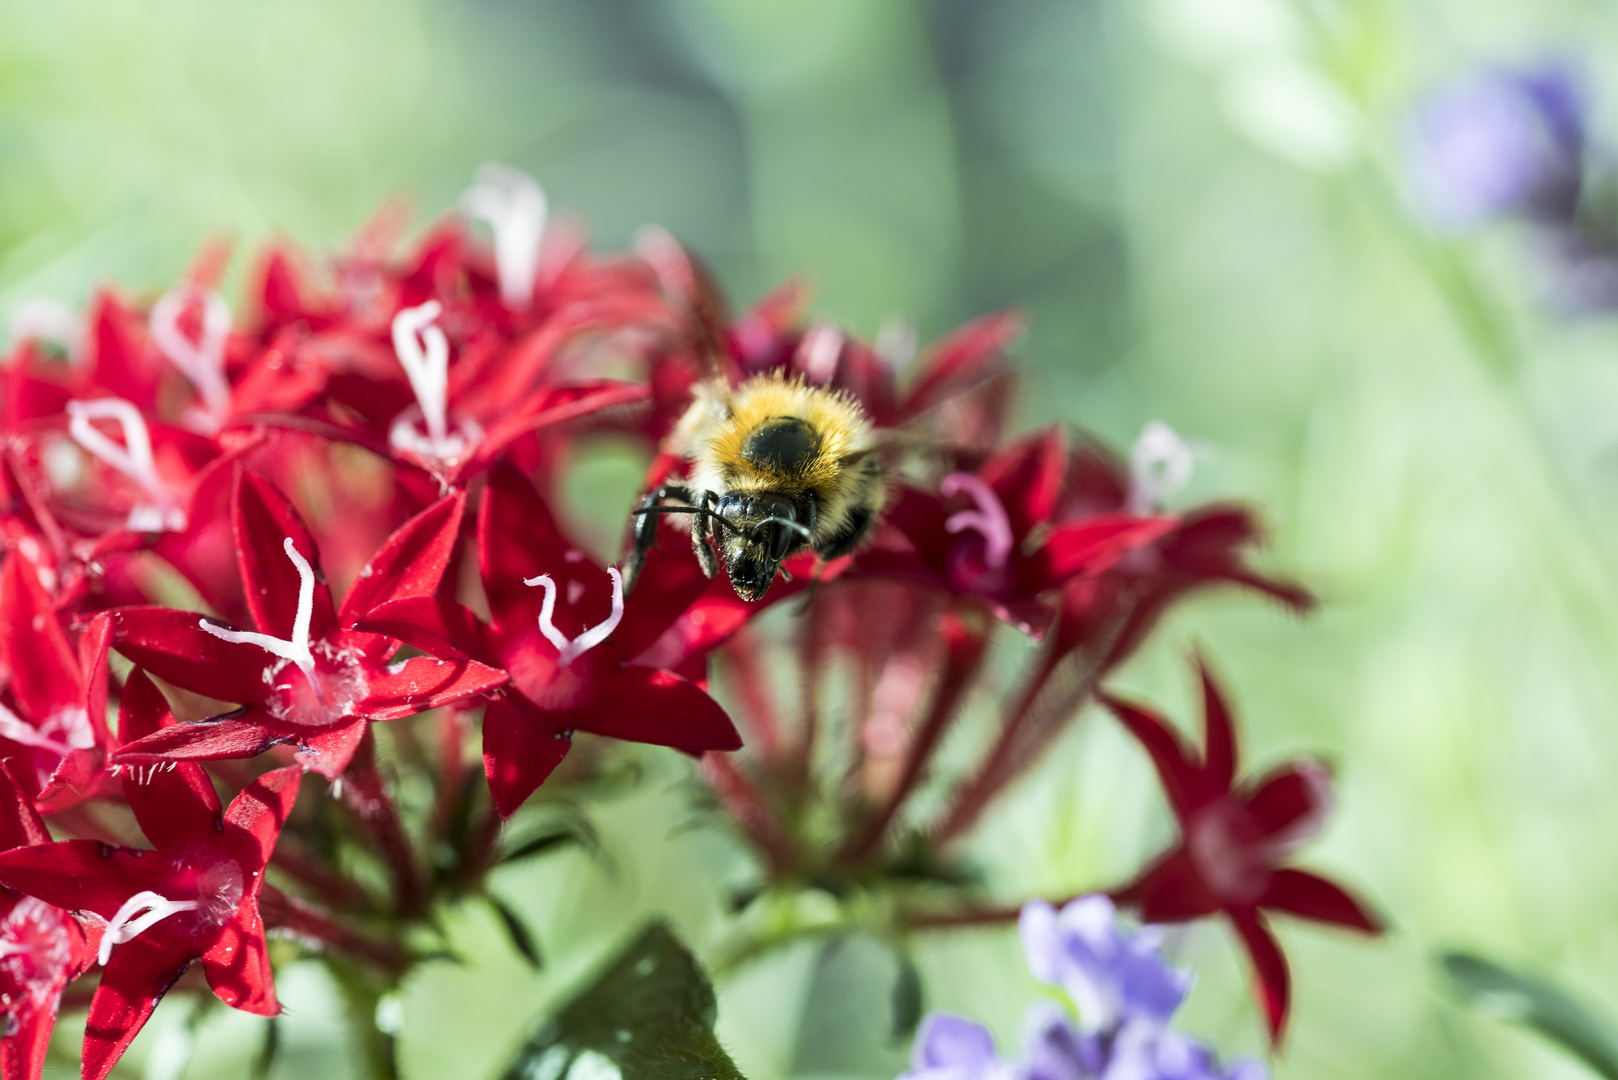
1146, 1052
950, 1047
1501, 142
1113, 976
1053, 1049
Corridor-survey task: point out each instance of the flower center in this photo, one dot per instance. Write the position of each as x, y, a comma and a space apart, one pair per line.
1225, 845
216, 886
1160, 464
34, 948
139, 913
989, 520
297, 649
133, 459
515, 208
203, 360
423, 352
570, 649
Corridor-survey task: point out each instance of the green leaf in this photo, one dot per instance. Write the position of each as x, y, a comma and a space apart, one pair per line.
648, 1016
1499, 991
521, 939
575, 832
909, 1000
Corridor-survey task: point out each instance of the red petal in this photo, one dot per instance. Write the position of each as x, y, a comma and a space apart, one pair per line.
93, 645
1091, 545
83, 875
138, 975
254, 819
1027, 476
238, 965
20, 823
1299, 892
44, 672
518, 539
411, 562
659, 707
1271, 982
967, 356
920, 517
1170, 890
328, 750
437, 627
1218, 734
224, 739
424, 683
521, 746
1291, 803
176, 807
172, 645
262, 520
557, 405
1177, 768
22, 1053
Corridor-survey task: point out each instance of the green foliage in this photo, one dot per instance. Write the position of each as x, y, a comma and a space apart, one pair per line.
650, 1013
1499, 991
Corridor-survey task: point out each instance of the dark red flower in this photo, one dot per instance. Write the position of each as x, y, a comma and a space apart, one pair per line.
42, 947
1233, 838
992, 534
194, 898
302, 676
581, 656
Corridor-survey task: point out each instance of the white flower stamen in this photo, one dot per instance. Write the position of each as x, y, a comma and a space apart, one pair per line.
296, 650
1160, 464
516, 209
202, 361
568, 649
423, 352
989, 519
896, 343
133, 459
138, 914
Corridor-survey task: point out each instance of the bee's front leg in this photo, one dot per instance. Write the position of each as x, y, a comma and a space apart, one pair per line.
645, 528
702, 530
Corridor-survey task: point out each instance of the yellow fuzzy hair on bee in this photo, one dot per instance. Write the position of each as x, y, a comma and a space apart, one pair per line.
837, 421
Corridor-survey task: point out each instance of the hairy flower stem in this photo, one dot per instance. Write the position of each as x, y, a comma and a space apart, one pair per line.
362, 995
333, 889
367, 795
967, 649
304, 920
746, 807
746, 672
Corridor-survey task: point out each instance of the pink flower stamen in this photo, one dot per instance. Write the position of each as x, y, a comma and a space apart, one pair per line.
133, 459
138, 914
989, 519
570, 649
1160, 464
818, 353
202, 361
297, 649
516, 209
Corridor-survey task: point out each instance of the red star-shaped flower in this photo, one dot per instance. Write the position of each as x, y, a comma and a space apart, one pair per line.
573, 645
42, 947
1233, 838
194, 898
301, 675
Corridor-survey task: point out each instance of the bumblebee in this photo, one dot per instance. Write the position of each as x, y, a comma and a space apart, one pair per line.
780, 467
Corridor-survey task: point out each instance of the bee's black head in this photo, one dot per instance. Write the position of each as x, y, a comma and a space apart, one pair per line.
755, 531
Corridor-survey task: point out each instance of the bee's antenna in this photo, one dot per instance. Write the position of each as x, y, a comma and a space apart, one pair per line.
675, 510
807, 535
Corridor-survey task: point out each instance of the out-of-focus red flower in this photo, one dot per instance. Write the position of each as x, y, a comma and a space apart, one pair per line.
195, 898
302, 675
42, 947
1233, 839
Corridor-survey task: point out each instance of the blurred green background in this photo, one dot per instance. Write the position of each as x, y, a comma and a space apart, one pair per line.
1197, 203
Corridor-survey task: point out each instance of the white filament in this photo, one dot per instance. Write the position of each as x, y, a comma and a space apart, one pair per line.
568, 649
139, 913
820, 348
133, 459
989, 519
516, 209
896, 343
296, 650
1160, 464
424, 354
202, 361
44, 319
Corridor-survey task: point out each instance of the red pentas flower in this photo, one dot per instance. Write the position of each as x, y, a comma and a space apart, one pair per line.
195, 898
582, 657
993, 533
302, 675
1233, 839
53, 732
42, 948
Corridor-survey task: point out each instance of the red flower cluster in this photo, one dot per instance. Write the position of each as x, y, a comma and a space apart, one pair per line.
337, 508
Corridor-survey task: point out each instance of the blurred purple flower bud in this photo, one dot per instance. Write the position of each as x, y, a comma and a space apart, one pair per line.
1112, 976
1053, 1049
1501, 142
1145, 1052
951, 1047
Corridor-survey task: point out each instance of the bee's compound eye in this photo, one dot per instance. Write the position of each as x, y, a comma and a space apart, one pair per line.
781, 541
